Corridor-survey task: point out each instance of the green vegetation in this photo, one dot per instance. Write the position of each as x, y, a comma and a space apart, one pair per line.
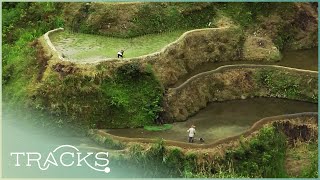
23, 23
284, 37
261, 156
284, 85
157, 161
302, 160
161, 17
110, 143
118, 100
158, 127
247, 14
85, 46
135, 96
107, 96
131, 98
311, 171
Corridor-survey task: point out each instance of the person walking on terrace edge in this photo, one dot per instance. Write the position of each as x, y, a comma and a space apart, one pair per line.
192, 132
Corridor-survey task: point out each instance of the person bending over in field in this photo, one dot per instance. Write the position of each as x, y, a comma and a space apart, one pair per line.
192, 132
120, 54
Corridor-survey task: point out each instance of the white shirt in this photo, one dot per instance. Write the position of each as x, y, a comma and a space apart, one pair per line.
119, 53
192, 132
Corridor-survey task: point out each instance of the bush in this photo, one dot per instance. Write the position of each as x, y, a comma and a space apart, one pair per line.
23, 22
131, 70
311, 171
135, 96
262, 156
287, 85
113, 144
174, 161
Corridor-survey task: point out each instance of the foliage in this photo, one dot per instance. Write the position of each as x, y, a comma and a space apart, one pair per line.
65, 96
190, 165
311, 171
130, 71
284, 36
162, 17
246, 14
262, 156
285, 85
158, 127
153, 159
136, 153
159, 161
110, 143
135, 96
23, 22
131, 98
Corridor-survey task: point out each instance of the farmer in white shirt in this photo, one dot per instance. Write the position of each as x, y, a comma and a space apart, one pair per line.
192, 132
120, 54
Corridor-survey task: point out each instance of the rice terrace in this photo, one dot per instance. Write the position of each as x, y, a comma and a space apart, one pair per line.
169, 89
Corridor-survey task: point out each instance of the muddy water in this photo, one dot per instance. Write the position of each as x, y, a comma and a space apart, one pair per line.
224, 119
301, 59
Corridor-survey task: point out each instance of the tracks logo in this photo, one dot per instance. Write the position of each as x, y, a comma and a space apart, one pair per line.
64, 155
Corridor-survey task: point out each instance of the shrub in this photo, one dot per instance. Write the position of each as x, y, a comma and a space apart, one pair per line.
113, 144
262, 156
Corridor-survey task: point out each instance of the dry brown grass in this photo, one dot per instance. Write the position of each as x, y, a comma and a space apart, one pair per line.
225, 83
260, 49
302, 26
297, 158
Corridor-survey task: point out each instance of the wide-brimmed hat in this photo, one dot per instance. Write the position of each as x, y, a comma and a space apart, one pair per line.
193, 126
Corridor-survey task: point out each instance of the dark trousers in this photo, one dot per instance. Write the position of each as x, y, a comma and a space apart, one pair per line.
119, 55
190, 139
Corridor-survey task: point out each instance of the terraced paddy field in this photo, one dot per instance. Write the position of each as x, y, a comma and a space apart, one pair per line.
194, 81
300, 59
84, 48
223, 119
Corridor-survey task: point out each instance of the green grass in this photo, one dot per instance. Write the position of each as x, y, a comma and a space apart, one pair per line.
159, 127
306, 156
84, 46
20, 66
282, 84
261, 156
113, 144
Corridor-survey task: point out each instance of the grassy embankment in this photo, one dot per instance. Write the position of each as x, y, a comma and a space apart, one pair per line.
265, 155
22, 23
